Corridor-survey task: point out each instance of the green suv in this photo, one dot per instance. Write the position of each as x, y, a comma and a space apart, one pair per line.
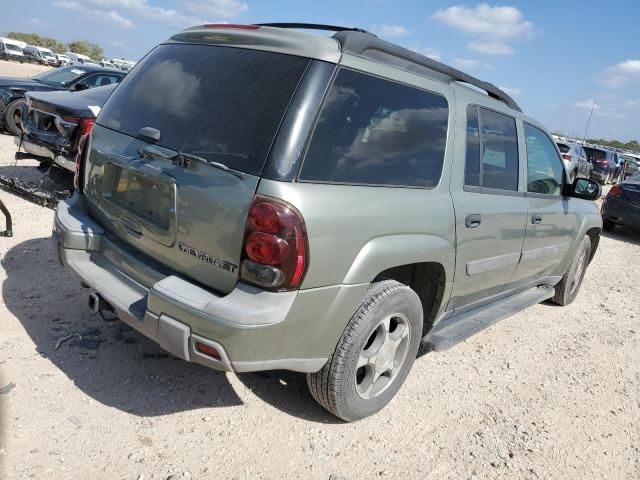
253, 197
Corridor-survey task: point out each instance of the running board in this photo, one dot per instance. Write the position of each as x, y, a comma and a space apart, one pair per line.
458, 328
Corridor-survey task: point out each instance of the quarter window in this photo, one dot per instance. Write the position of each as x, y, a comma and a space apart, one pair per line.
377, 132
544, 167
492, 150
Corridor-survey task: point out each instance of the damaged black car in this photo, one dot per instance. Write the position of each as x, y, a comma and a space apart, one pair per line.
72, 78
55, 122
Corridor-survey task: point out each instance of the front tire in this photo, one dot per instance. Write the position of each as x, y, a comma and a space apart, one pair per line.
13, 116
567, 289
374, 354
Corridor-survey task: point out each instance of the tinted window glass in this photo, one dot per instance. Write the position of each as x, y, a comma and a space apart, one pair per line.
500, 152
100, 80
472, 167
563, 148
594, 154
376, 132
220, 103
544, 168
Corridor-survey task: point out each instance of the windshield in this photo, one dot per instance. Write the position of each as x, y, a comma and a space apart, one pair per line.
46, 52
60, 76
222, 104
13, 48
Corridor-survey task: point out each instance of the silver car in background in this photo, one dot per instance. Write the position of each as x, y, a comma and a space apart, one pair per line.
575, 159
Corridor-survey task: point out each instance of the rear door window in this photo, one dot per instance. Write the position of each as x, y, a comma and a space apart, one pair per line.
377, 132
492, 150
100, 80
224, 104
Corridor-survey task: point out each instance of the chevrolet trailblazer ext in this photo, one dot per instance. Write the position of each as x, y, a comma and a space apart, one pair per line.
253, 197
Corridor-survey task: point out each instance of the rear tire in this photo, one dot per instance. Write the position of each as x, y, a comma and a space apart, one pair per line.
567, 289
374, 354
13, 116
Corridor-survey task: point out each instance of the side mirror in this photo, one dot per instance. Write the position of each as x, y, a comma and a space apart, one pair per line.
80, 86
584, 188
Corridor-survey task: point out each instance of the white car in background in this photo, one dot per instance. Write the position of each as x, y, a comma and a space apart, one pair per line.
78, 58
575, 159
62, 60
11, 49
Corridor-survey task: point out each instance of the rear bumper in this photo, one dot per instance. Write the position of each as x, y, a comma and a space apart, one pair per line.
621, 212
599, 175
251, 328
40, 150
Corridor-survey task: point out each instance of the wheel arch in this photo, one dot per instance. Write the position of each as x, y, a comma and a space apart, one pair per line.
594, 235
428, 280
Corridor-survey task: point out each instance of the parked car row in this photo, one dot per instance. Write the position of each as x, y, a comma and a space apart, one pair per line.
11, 49
575, 159
603, 164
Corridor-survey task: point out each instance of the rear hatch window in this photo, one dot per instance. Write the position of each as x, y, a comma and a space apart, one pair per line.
223, 104
595, 154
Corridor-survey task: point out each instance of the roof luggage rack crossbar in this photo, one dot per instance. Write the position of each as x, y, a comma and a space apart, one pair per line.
316, 26
374, 48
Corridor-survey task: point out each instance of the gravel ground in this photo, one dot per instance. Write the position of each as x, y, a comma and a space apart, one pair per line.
549, 393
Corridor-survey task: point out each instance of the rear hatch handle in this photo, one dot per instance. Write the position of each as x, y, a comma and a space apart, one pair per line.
184, 160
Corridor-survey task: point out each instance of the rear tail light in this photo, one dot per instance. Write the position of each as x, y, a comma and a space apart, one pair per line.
616, 191
566, 156
275, 249
82, 135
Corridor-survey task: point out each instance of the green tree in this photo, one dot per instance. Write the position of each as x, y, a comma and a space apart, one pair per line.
35, 39
86, 48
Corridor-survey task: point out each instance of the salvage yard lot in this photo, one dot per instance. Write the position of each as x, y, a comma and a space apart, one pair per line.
549, 393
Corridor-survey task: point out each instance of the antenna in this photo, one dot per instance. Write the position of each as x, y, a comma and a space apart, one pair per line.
588, 123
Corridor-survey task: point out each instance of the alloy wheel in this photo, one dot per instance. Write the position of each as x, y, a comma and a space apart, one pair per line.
383, 355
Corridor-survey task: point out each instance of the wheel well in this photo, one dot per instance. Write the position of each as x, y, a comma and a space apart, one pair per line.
427, 279
594, 236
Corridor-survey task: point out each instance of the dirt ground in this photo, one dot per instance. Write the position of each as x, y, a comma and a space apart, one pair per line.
549, 393
15, 69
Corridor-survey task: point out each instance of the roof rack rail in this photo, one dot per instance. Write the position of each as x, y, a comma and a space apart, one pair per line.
316, 26
374, 48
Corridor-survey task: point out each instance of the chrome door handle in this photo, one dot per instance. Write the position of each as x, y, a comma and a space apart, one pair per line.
536, 219
473, 221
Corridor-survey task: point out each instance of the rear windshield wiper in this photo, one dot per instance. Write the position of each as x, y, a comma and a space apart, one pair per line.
218, 165
184, 159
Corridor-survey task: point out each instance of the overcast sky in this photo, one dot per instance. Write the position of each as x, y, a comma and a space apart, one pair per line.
554, 57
